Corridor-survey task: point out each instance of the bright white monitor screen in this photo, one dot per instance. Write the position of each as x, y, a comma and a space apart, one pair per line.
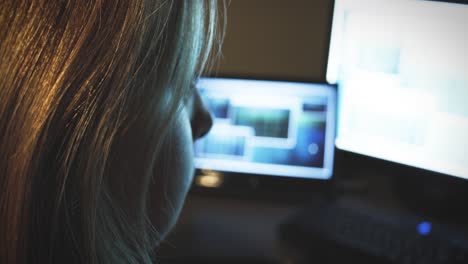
402, 71
270, 128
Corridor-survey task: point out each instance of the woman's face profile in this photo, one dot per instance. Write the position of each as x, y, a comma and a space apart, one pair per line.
168, 192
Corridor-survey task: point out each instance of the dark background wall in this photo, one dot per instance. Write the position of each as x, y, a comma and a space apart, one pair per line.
276, 39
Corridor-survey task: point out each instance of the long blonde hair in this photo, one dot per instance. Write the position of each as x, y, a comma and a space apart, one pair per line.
74, 77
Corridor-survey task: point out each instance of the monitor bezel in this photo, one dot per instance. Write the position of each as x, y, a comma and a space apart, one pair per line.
263, 186
421, 190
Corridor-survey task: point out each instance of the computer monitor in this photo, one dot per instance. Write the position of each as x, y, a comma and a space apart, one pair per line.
402, 72
268, 128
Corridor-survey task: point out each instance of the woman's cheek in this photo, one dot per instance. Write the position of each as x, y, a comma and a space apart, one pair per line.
172, 182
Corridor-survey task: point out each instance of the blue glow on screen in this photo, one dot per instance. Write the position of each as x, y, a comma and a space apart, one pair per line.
268, 127
402, 71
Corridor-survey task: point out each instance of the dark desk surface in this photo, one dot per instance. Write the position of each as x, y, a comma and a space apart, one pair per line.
217, 229
214, 228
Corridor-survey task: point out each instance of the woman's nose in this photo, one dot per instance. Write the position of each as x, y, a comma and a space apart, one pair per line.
201, 120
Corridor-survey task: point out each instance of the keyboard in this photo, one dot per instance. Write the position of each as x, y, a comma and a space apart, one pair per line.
332, 233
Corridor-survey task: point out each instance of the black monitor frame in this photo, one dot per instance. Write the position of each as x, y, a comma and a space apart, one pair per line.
424, 192
266, 187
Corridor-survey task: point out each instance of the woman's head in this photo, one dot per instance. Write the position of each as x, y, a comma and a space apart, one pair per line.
97, 113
